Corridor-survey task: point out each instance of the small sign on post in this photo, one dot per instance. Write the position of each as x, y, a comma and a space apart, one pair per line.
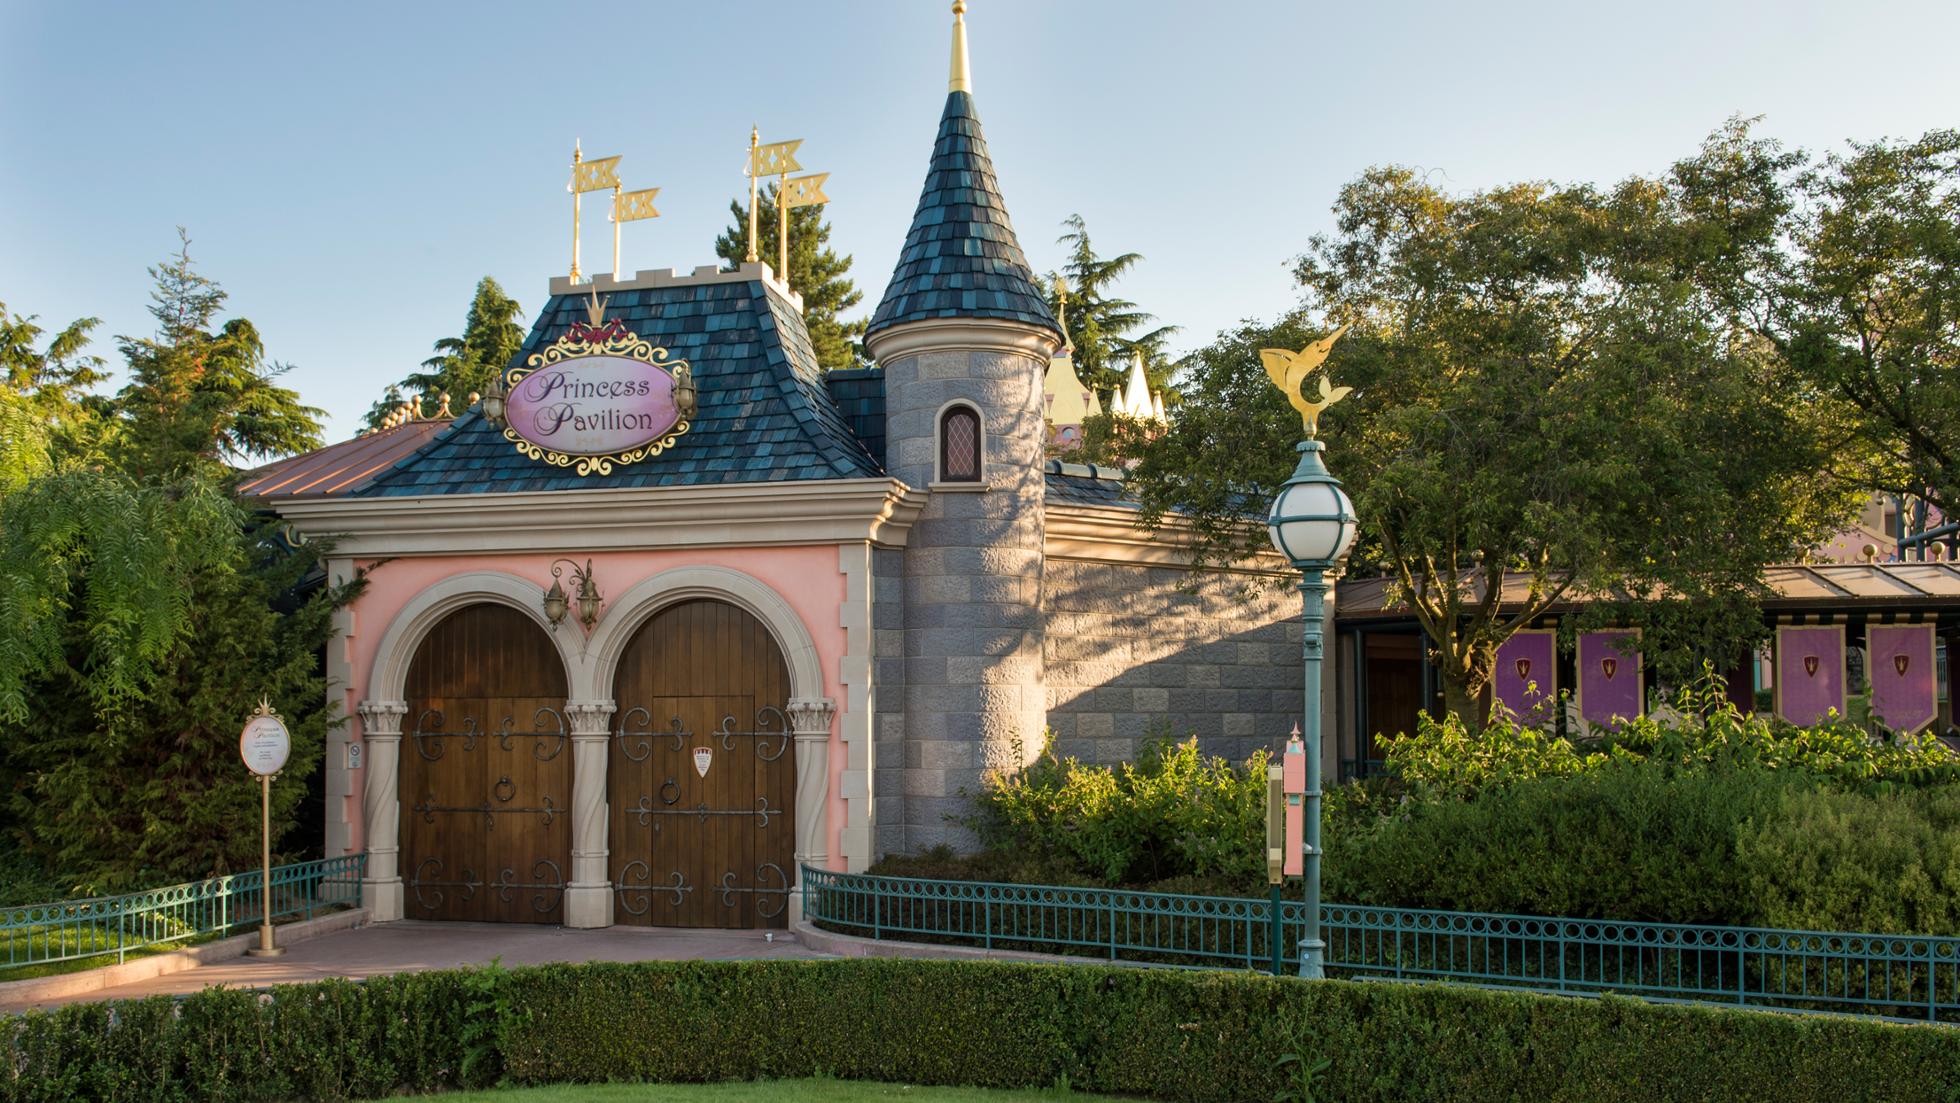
1294, 768
265, 744
1275, 824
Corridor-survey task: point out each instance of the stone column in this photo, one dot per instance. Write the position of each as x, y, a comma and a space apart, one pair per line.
381, 730
809, 719
589, 894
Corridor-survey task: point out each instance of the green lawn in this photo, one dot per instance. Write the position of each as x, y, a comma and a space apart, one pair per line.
763, 1091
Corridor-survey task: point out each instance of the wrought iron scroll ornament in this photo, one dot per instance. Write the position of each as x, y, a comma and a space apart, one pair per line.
643, 890
645, 735
645, 812
770, 723
769, 899
428, 734
428, 884
538, 885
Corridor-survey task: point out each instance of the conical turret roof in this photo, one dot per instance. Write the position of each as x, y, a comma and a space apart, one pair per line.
961, 258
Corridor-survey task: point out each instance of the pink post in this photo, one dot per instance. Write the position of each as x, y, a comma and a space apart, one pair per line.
1294, 764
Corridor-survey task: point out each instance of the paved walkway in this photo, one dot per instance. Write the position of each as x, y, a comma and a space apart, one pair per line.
412, 946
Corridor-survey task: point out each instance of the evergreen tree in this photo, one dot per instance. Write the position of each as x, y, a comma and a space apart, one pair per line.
815, 271
147, 611
1101, 326
199, 398
464, 365
46, 410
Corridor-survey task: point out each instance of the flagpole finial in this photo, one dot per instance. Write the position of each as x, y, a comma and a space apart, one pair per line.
961, 79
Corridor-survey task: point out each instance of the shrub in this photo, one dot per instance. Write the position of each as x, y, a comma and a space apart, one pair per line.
1621, 842
1160, 1034
1173, 813
1856, 862
1702, 731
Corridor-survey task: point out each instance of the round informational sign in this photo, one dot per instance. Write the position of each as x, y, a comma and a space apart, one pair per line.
265, 744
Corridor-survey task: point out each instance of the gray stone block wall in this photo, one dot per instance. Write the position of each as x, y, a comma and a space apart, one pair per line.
1133, 651
888, 715
972, 569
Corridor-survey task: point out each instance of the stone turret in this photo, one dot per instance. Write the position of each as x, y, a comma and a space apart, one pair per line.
964, 336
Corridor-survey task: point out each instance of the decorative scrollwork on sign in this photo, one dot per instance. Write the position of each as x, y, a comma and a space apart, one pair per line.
769, 900
573, 347
645, 889
428, 734
645, 736
427, 877
539, 901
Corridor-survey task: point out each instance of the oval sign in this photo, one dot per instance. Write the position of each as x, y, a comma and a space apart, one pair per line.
593, 405
265, 744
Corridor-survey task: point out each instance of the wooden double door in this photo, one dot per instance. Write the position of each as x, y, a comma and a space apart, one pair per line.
701, 773
486, 772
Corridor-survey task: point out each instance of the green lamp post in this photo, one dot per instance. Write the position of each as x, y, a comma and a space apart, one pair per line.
1312, 524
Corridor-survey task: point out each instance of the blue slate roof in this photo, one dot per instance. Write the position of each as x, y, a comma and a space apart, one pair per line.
765, 414
860, 397
961, 258
1078, 484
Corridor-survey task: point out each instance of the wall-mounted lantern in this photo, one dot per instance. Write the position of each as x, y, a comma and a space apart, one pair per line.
556, 603
493, 402
684, 392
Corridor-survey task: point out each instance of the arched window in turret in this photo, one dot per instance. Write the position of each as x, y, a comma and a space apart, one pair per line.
959, 444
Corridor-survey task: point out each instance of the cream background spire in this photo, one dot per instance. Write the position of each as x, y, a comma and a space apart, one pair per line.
1136, 396
961, 79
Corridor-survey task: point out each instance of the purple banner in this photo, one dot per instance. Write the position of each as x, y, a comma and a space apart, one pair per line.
1900, 661
1609, 675
1526, 679
1809, 672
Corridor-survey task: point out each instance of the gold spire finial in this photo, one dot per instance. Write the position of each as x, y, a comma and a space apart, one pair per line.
1289, 369
961, 80
1061, 314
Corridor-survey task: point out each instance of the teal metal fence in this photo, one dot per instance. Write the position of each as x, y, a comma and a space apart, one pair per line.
42, 933
1895, 976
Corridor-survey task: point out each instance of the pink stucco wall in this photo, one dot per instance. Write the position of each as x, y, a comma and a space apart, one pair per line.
807, 578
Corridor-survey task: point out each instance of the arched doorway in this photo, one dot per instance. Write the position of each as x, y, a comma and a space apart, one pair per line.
701, 776
486, 772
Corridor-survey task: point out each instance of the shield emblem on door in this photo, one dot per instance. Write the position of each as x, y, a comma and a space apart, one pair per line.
1900, 662
1608, 667
1810, 666
1524, 669
703, 758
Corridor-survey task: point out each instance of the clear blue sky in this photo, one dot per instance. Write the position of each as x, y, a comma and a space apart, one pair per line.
347, 171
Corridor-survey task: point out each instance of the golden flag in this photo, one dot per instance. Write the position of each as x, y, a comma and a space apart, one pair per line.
597, 174
775, 159
634, 205
805, 191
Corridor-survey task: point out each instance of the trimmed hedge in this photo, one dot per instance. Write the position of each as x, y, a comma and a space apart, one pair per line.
1163, 1034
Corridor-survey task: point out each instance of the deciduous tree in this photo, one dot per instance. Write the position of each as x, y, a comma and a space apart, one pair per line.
1872, 309
1546, 381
